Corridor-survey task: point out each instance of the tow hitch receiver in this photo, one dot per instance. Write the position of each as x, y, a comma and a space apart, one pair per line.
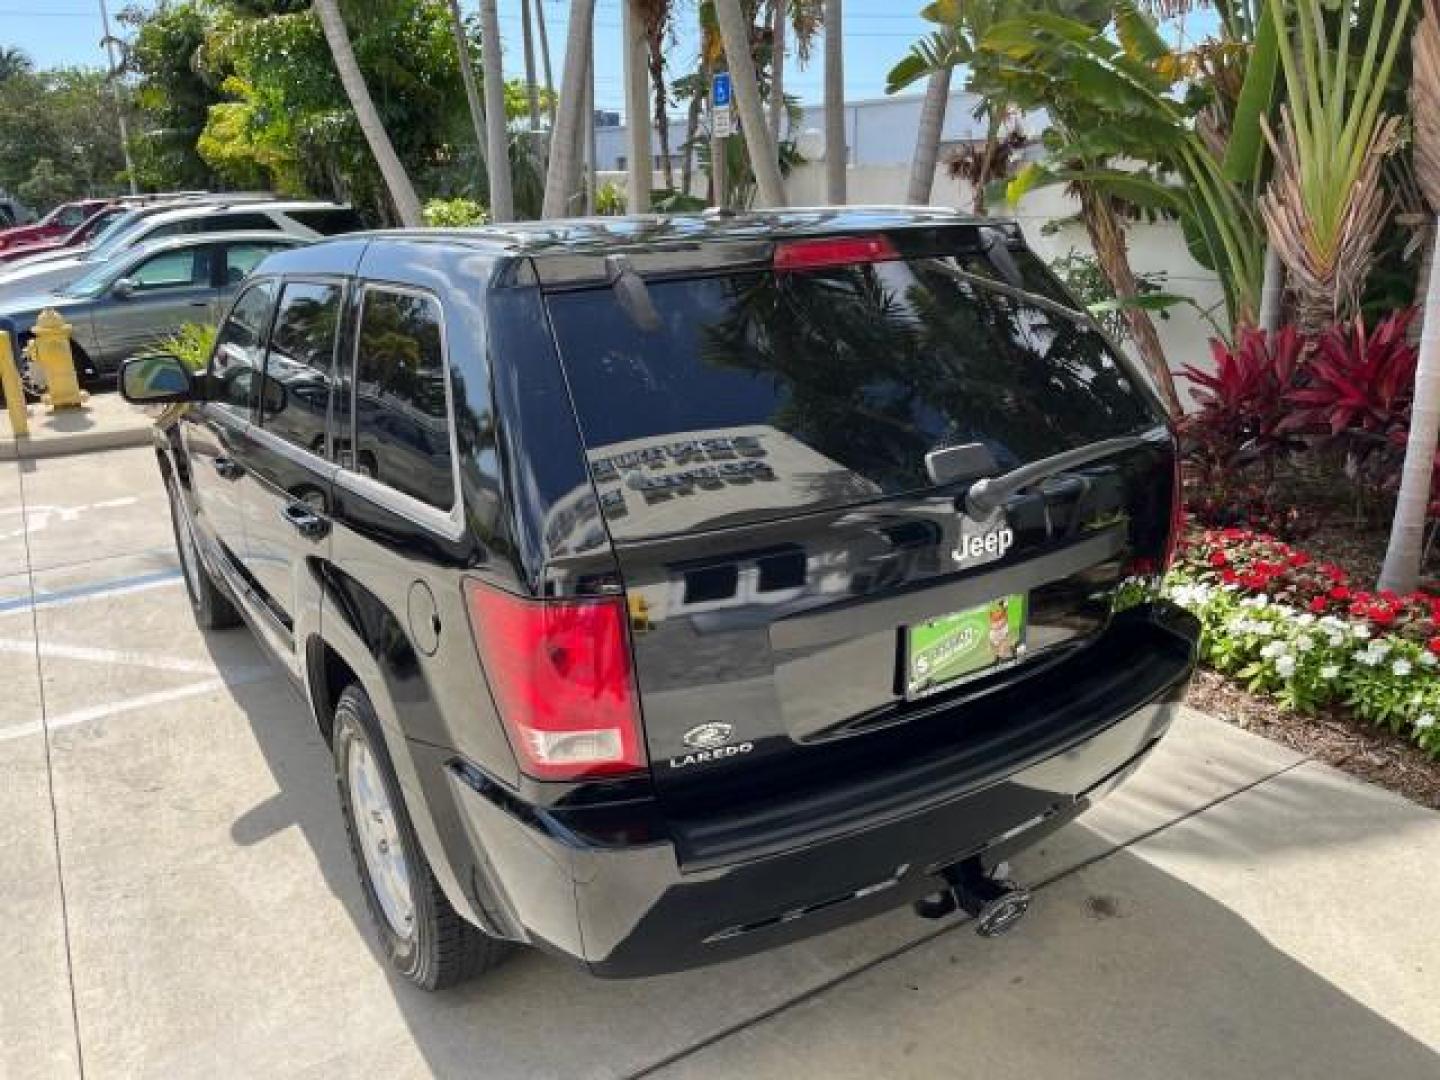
995, 902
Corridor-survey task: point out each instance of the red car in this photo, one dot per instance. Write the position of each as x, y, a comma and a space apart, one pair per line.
77, 237
64, 219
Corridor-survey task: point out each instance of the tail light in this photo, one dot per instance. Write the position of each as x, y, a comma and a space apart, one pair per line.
560, 674
1177, 516
833, 251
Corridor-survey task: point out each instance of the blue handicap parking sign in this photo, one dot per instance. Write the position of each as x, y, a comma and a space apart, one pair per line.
720, 90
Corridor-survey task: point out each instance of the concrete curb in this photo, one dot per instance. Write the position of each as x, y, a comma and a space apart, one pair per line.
106, 422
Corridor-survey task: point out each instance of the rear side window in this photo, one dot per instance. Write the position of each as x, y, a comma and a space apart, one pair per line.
402, 426
237, 223
240, 259
173, 270
298, 365
760, 394
331, 222
235, 365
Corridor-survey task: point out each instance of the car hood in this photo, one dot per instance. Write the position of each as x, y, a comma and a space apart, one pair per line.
24, 310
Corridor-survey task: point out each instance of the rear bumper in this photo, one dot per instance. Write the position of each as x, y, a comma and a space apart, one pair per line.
648, 900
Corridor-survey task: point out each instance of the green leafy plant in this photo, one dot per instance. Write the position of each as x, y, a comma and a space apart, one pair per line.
454, 213
192, 344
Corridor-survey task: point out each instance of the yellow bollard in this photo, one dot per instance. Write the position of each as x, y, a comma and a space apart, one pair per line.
51, 349
14, 389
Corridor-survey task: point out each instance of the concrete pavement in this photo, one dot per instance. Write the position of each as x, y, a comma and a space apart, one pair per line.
181, 901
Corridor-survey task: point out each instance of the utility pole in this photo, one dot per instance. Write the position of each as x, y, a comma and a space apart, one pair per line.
109, 42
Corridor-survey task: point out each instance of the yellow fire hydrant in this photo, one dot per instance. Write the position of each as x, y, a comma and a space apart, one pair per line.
14, 389
51, 352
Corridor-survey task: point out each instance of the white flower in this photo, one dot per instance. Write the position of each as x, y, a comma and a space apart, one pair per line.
1272, 650
1305, 618
1330, 671
1380, 648
1360, 631
1285, 665
1402, 667
1304, 643
1426, 721
1363, 656
1336, 640
1427, 659
1330, 622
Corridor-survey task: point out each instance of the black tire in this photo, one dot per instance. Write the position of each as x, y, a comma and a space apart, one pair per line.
441, 948
214, 610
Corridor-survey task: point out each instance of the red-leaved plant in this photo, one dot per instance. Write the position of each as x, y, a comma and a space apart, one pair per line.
1358, 384
1244, 404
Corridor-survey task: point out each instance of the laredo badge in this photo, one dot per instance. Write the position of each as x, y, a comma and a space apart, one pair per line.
709, 743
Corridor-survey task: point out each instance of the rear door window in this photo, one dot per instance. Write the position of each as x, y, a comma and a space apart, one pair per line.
328, 222
173, 270
235, 364
402, 426
759, 394
295, 403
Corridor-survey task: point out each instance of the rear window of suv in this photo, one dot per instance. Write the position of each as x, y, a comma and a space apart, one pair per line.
761, 393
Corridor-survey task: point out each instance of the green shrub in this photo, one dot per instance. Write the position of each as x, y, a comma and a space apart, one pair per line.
192, 343
454, 213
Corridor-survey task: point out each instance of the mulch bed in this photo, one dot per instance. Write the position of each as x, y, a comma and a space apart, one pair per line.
1351, 745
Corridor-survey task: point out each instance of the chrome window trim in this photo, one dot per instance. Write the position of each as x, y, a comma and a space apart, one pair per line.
449, 524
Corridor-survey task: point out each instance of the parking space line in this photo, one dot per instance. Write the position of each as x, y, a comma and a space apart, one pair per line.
95, 591
241, 677
123, 657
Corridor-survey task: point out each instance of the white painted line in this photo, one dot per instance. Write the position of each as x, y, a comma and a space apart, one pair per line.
141, 701
125, 657
43, 602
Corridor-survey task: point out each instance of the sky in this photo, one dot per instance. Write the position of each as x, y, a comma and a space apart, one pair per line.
877, 34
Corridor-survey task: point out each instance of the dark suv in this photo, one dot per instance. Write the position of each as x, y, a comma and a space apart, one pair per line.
671, 588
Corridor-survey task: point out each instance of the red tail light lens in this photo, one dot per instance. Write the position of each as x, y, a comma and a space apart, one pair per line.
833, 251
560, 674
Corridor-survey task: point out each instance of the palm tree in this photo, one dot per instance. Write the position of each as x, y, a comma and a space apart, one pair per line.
656, 15
637, 106
927, 138
545, 61
467, 75
1407, 530
777, 66
835, 150
532, 90
397, 181
502, 200
563, 172
764, 159
14, 61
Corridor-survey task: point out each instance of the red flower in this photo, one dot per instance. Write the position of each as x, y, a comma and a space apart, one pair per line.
1318, 604
1388, 595
1229, 577
1299, 558
1333, 572
1382, 615
1434, 645
1217, 558
1339, 592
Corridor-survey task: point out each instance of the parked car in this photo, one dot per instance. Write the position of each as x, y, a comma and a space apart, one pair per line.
131, 302
307, 219
77, 238
669, 589
57, 222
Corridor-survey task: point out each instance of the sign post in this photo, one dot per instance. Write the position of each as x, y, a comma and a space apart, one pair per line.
722, 126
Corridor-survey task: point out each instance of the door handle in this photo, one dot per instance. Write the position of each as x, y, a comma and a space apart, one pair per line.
228, 470
305, 521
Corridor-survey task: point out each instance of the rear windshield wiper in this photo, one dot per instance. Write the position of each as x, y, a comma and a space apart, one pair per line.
987, 495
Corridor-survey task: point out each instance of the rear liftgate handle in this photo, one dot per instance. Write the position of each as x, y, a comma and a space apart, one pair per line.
305, 521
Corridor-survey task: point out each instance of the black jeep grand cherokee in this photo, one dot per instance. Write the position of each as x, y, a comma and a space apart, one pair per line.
670, 588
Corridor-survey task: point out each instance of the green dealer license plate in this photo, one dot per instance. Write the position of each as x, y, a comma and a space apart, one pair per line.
964, 644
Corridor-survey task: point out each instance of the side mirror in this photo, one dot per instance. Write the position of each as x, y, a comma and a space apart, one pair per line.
156, 380
123, 289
